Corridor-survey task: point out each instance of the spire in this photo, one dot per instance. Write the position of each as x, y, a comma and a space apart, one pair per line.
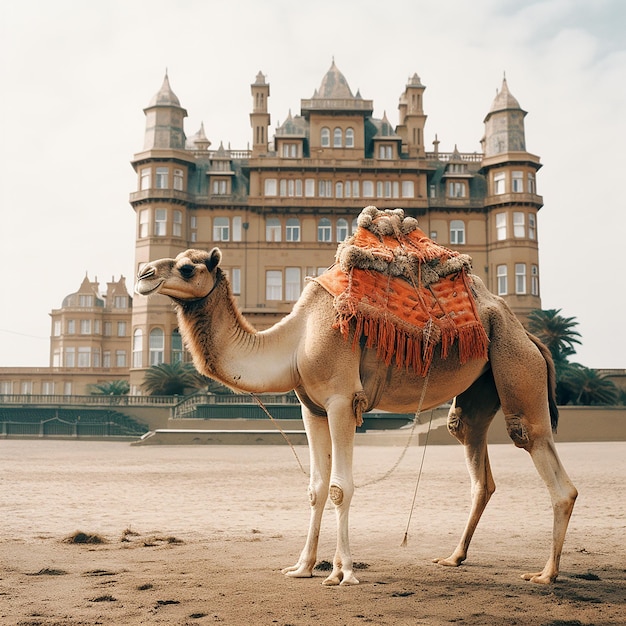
165, 96
504, 124
334, 85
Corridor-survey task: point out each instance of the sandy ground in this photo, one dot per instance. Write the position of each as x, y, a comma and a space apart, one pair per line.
199, 534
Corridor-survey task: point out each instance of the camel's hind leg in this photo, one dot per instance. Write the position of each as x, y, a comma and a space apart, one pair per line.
468, 420
521, 372
318, 435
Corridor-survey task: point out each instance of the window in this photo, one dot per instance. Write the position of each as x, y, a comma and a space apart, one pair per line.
349, 137
27, 387
178, 180
6, 387
56, 332
339, 190
532, 226
368, 189
530, 182
220, 187
157, 345
120, 358
137, 348
121, 329
325, 189
292, 229
337, 138
355, 189
292, 283
144, 218
84, 356
273, 285
520, 278
177, 347
499, 181
325, 137
193, 226
502, 280
272, 229
106, 359
348, 189
237, 225
85, 327
95, 357
408, 189
235, 280
71, 327
457, 232
120, 302
290, 150
500, 226
519, 224
221, 229
534, 280
108, 329
70, 357
269, 188
324, 230
385, 151
342, 229
161, 177
145, 179
47, 388
177, 224
456, 189
160, 223
309, 188
354, 225
85, 300
517, 182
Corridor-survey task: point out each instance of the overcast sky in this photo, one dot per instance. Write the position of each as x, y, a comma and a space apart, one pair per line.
76, 76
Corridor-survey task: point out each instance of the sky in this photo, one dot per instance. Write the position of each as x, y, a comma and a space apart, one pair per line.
76, 76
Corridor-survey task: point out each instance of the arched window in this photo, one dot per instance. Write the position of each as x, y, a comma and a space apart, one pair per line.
325, 137
177, 347
292, 229
157, 346
324, 230
349, 137
339, 190
354, 225
137, 348
337, 138
457, 232
342, 229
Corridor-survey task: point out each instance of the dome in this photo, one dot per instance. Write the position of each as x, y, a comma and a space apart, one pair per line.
334, 85
165, 96
504, 100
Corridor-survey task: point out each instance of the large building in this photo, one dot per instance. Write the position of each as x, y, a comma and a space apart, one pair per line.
279, 209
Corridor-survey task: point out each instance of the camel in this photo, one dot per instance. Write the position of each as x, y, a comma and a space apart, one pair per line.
336, 380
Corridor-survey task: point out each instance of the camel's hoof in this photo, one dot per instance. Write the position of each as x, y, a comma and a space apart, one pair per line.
449, 562
297, 571
341, 579
540, 578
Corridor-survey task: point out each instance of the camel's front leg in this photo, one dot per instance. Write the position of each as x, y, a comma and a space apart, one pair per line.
342, 428
318, 435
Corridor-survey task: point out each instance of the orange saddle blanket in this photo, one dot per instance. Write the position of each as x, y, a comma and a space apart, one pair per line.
404, 317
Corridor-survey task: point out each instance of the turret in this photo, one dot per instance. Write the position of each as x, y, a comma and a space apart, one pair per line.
259, 118
411, 117
164, 120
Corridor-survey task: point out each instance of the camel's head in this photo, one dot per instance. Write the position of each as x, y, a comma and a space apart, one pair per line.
190, 276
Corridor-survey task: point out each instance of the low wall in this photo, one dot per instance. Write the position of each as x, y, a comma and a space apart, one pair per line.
576, 423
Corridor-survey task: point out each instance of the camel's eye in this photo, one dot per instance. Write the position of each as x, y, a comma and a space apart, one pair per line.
187, 271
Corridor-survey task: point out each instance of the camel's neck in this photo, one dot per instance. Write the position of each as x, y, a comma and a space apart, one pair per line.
227, 348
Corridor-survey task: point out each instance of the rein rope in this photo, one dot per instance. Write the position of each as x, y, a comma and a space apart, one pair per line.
393, 468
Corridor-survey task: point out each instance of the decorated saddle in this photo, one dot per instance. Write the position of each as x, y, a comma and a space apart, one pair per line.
403, 293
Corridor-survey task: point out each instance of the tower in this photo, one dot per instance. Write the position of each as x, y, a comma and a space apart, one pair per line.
511, 205
162, 204
259, 118
411, 117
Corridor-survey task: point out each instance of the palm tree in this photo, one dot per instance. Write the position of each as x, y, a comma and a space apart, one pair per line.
111, 388
584, 386
168, 379
558, 333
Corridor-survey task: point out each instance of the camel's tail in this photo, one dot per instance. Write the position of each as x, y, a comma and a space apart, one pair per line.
554, 411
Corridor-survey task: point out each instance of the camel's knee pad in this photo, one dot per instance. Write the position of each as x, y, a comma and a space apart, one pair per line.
517, 430
336, 495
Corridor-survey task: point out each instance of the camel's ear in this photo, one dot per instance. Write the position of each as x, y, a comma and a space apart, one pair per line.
215, 257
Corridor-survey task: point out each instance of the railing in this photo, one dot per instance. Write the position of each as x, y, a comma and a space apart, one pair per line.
189, 405
30, 399
471, 157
